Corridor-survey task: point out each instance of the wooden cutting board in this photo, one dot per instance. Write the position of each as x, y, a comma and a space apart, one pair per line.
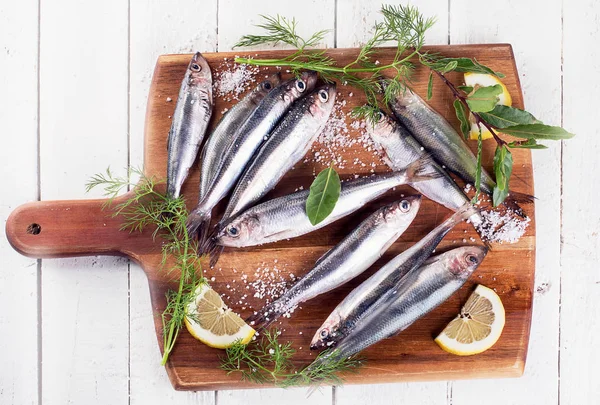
76, 228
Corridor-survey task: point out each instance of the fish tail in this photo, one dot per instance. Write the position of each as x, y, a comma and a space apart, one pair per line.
267, 315
420, 170
515, 198
197, 225
215, 253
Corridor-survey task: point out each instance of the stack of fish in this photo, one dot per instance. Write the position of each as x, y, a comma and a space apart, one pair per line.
261, 138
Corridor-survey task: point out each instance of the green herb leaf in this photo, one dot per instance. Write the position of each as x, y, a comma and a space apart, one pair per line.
461, 114
503, 163
484, 98
450, 66
478, 170
463, 65
538, 131
528, 144
324, 193
466, 89
430, 86
503, 116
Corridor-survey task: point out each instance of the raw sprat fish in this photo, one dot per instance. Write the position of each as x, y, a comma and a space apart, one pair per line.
287, 144
399, 148
349, 258
190, 120
252, 134
440, 139
416, 294
364, 299
285, 217
224, 134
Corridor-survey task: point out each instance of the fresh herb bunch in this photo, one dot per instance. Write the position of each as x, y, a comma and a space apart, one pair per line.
406, 26
148, 207
266, 361
402, 24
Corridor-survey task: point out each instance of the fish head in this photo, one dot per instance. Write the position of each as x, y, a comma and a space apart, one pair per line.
465, 260
402, 211
268, 84
239, 231
198, 71
383, 128
406, 98
299, 86
322, 100
325, 335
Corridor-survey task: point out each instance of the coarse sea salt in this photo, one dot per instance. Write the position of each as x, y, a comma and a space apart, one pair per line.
503, 227
233, 79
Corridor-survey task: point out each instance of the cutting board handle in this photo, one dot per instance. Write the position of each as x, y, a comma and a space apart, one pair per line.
49, 229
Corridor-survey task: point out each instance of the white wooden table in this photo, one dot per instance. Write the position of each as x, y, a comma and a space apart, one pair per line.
74, 77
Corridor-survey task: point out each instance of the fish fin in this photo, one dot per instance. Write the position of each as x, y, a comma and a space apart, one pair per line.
513, 200
420, 170
197, 225
267, 315
215, 253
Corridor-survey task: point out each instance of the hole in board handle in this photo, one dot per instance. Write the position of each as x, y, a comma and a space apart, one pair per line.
34, 229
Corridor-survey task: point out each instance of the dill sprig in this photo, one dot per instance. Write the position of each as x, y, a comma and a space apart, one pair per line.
266, 361
148, 207
403, 24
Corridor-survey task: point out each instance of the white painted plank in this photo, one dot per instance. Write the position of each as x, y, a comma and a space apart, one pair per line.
83, 116
312, 15
18, 277
238, 18
539, 66
158, 27
580, 273
355, 21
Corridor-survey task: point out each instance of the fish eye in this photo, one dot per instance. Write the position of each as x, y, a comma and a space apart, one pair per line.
324, 333
196, 67
233, 231
300, 85
404, 206
380, 116
471, 259
323, 95
267, 85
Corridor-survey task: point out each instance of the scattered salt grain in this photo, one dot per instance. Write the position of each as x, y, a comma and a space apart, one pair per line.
233, 79
503, 227
169, 99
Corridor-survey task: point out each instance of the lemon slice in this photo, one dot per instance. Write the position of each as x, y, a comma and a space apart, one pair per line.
477, 327
484, 80
211, 322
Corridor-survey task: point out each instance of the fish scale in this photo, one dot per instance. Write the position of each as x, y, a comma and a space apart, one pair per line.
349, 258
224, 134
415, 295
285, 217
363, 300
251, 135
400, 148
190, 121
287, 144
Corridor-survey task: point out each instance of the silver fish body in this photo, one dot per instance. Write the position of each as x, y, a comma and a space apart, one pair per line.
252, 134
362, 301
346, 260
415, 295
285, 217
287, 144
190, 121
399, 148
440, 139
223, 135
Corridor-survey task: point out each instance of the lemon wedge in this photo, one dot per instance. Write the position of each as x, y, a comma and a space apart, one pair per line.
210, 321
484, 80
477, 327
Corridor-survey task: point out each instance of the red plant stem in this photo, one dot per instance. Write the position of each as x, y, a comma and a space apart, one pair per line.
463, 100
